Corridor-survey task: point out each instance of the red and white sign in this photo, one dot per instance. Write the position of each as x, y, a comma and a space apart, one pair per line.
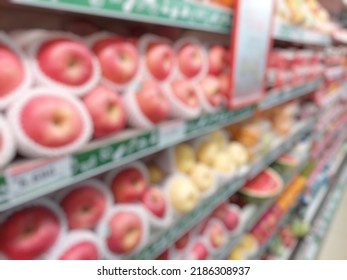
251, 42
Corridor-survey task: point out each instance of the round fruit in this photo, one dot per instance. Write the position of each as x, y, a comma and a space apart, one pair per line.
84, 207
207, 151
238, 153
11, 71
202, 176
83, 250
184, 157
183, 194
29, 233
66, 61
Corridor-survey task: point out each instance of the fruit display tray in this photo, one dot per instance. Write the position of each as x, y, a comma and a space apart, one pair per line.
160, 242
178, 13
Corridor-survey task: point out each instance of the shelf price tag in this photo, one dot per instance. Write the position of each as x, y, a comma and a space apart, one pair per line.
27, 178
171, 133
251, 42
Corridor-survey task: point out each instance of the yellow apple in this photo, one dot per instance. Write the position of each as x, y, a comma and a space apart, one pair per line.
248, 242
237, 254
202, 176
238, 153
223, 163
183, 194
156, 175
218, 137
207, 151
184, 157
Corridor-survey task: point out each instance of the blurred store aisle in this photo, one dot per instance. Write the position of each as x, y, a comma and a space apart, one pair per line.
335, 244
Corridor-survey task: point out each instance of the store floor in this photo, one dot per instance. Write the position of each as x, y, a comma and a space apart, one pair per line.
335, 244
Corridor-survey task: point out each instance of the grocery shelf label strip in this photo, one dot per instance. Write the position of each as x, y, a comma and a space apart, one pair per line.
178, 13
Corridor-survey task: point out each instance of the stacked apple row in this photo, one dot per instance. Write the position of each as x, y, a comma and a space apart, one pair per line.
293, 67
60, 91
115, 214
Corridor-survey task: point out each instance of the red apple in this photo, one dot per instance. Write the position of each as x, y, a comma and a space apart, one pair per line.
225, 84
185, 92
29, 233
11, 71
118, 58
182, 243
128, 185
154, 201
84, 207
160, 59
84, 250
190, 60
216, 235
198, 251
106, 110
228, 215
217, 58
125, 232
152, 102
163, 256
57, 121
211, 89
66, 61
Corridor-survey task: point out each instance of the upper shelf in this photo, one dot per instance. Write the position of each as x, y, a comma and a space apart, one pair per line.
297, 34
179, 13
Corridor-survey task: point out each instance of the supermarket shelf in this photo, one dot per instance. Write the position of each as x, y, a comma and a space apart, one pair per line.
23, 182
178, 13
297, 34
276, 97
262, 249
160, 242
308, 248
256, 213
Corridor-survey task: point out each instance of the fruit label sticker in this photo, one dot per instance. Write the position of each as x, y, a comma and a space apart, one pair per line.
27, 178
251, 42
171, 133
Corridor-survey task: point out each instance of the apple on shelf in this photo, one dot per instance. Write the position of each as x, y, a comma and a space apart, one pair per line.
128, 184
118, 58
62, 124
218, 60
184, 157
159, 56
146, 105
15, 78
64, 61
85, 204
191, 59
216, 234
182, 193
123, 230
106, 110
197, 251
211, 93
156, 173
229, 215
202, 176
77, 245
30, 232
154, 200
183, 242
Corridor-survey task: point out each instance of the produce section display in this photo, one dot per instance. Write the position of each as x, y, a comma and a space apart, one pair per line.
120, 143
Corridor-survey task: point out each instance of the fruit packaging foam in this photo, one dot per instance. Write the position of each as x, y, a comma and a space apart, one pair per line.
42, 79
28, 147
102, 230
91, 41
